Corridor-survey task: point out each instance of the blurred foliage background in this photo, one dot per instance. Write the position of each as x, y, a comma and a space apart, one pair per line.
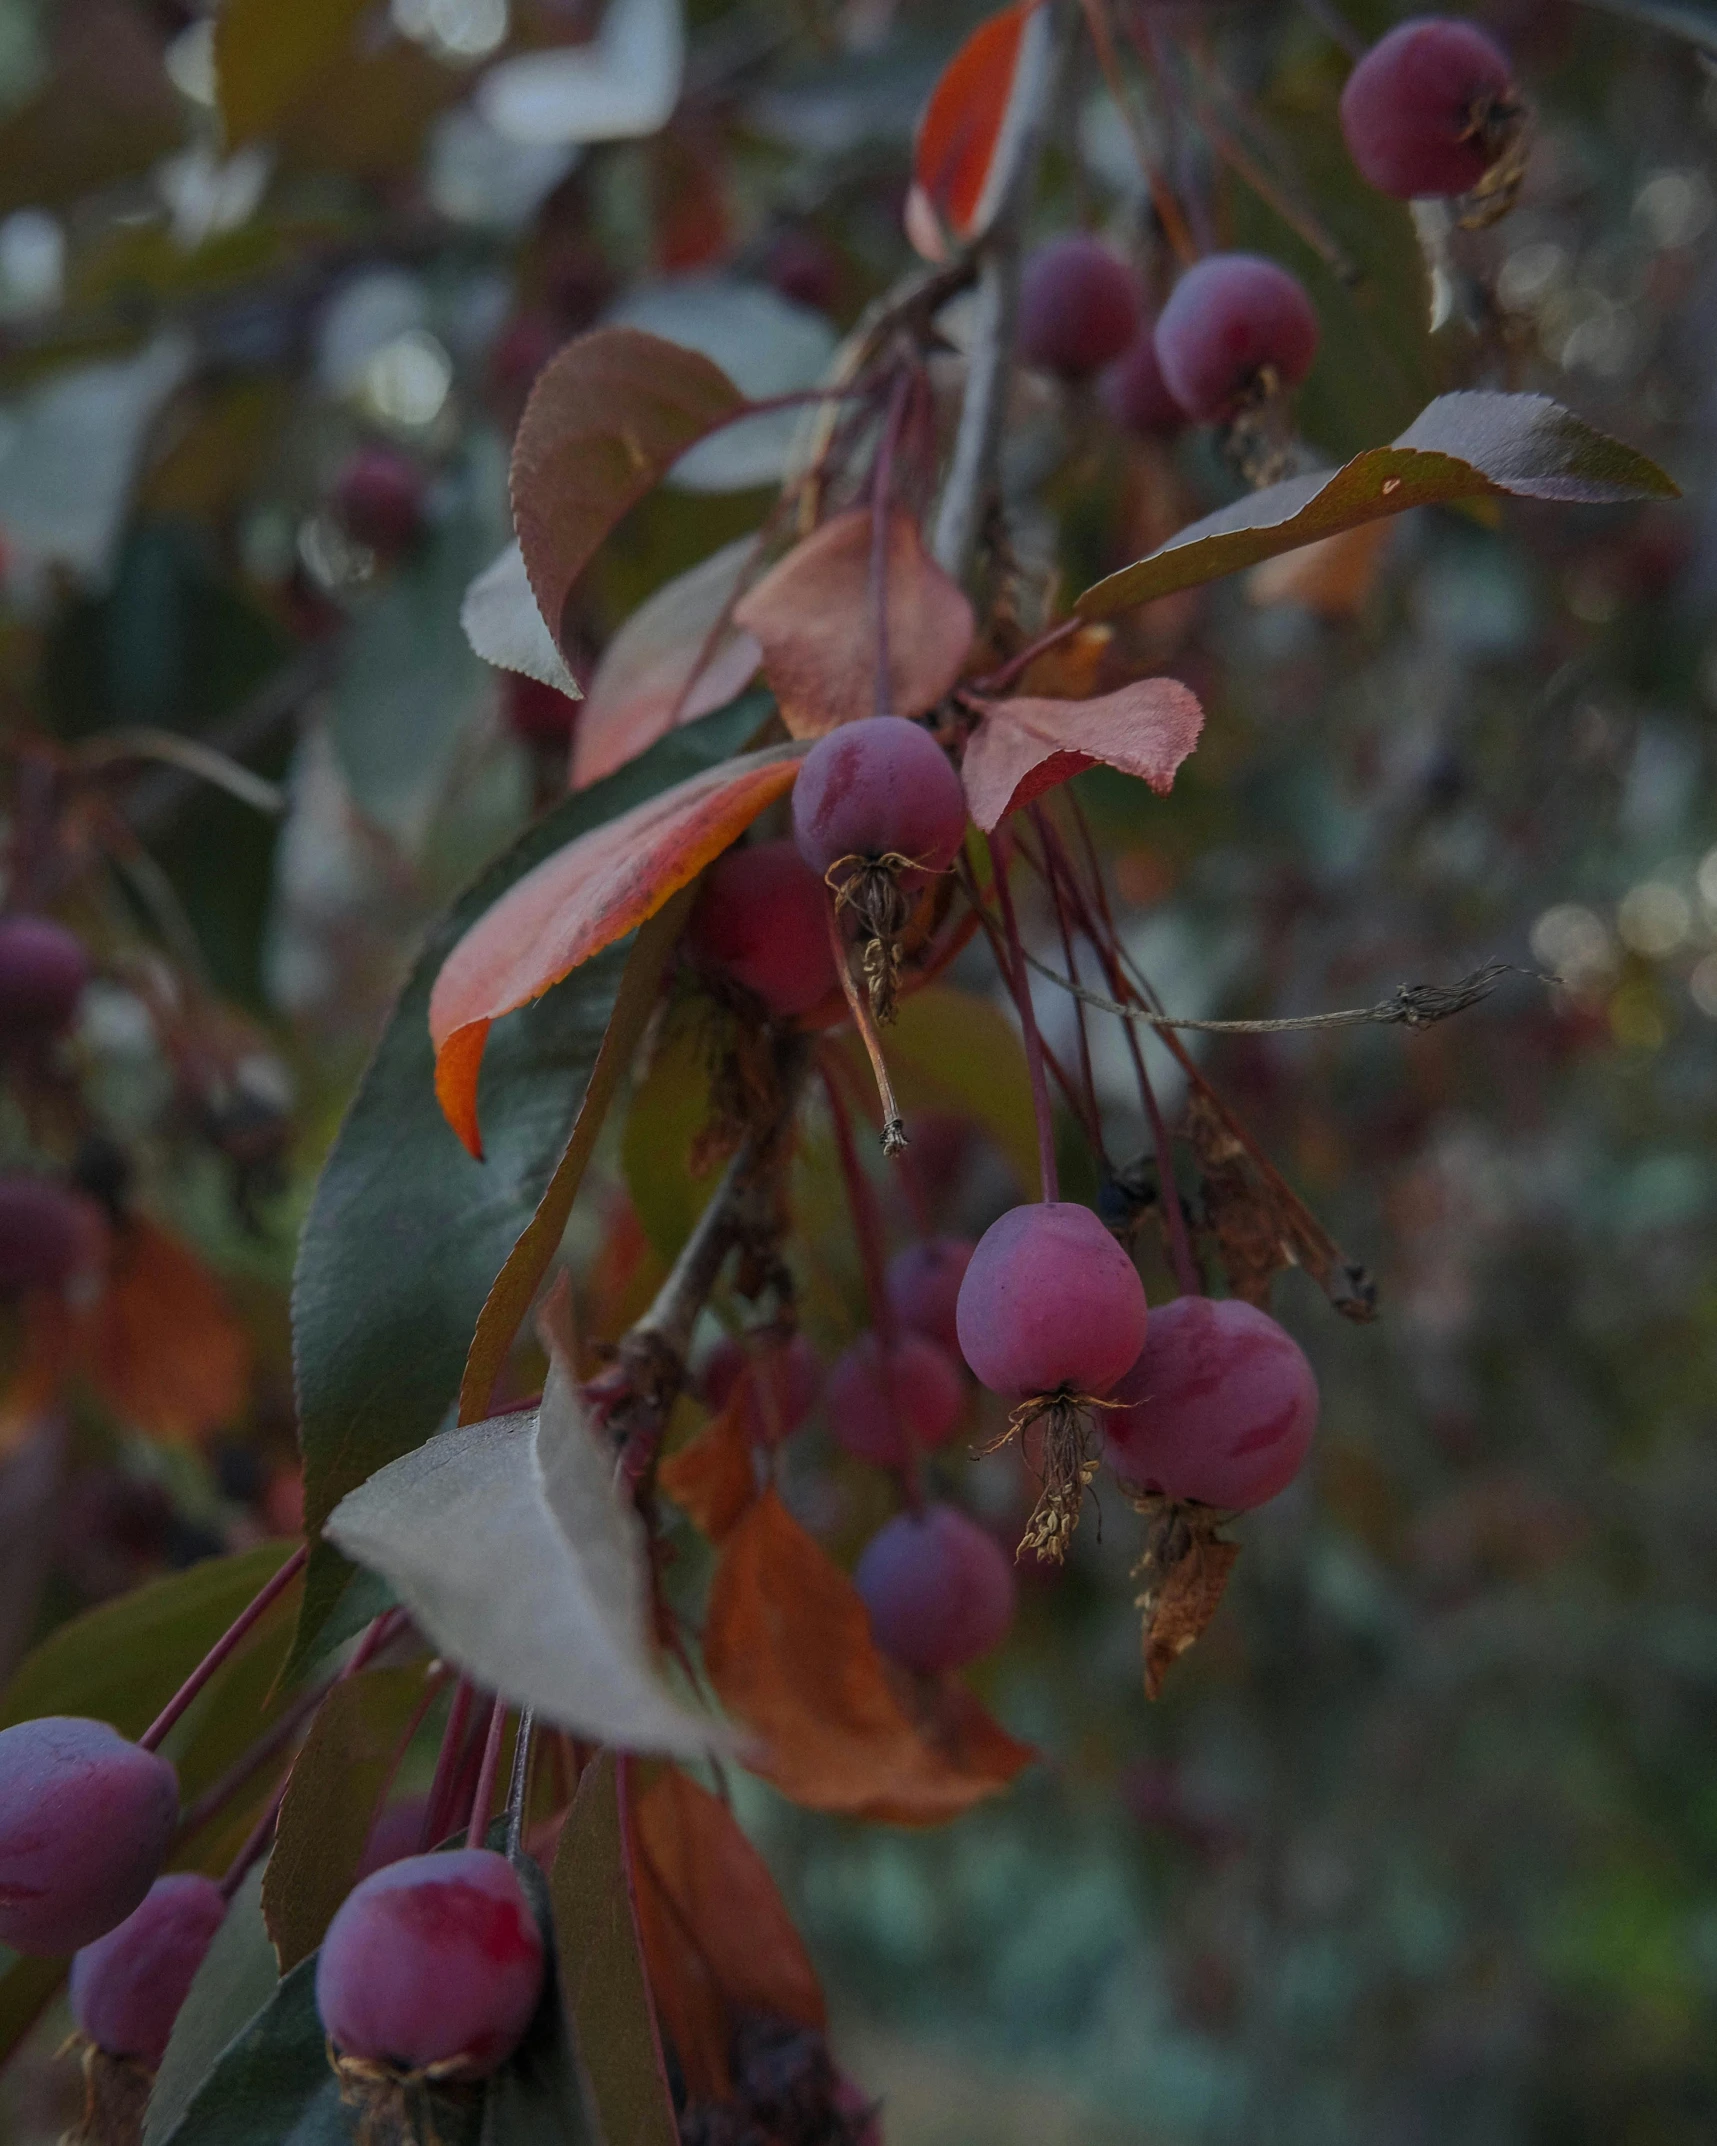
1421, 1844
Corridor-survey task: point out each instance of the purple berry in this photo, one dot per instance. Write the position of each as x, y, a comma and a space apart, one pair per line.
878, 788
1136, 395
433, 1960
924, 1286
1050, 1303
48, 1235
1420, 108
1078, 307
1226, 319
762, 919
1221, 1405
43, 971
940, 1592
884, 1407
85, 1822
378, 500
128, 1986
783, 1379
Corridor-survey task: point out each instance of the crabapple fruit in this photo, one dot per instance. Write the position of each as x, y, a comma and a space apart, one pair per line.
878, 788
1050, 1304
85, 1820
1136, 395
1221, 1405
783, 1379
762, 919
940, 1592
378, 499
435, 1960
1229, 317
127, 1988
1420, 110
48, 1234
884, 1406
924, 1286
43, 971
1078, 306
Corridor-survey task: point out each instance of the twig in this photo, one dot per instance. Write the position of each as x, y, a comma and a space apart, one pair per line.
223, 1647
518, 1785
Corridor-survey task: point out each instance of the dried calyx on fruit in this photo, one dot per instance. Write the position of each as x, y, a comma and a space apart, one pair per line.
1431, 111
1237, 334
1051, 1314
877, 811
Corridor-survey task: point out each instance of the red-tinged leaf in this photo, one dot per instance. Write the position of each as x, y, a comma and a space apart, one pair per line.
711, 1479
1024, 747
956, 1724
961, 155
788, 1648
815, 615
653, 675
718, 1940
607, 418
581, 899
1464, 446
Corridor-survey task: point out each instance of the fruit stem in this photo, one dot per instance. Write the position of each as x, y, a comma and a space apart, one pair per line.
446, 1765
518, 1784
858, 1005
223, 1647
1020, 984
1058, 901
484, 1798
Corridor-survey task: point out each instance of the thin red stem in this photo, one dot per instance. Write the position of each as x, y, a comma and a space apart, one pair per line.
881, 498
1052, 880
487, 1774
223, 1647
1019, 979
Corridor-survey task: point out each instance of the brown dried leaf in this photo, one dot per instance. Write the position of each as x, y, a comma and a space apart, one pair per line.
1183, 1570
814, 614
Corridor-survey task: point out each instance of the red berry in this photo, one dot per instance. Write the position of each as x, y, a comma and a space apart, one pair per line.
783, 1379
762, 919
127, 1987
940, 1592
435, 1959
1050, 1303
1136, 395
1221, 1405
538, 714
48, 1235
1226, 319
878, 788
1415, 109
43, 971
1078, 307
884, 1407
924, 1286
378, 499
85, 1820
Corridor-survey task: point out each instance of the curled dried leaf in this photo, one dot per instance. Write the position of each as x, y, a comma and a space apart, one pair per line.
1182, 1573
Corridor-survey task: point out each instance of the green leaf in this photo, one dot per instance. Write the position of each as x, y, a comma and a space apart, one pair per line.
535, 2098
267, 56
603, 1984
337, 1780
1465, 446
237, 1978
407, 1232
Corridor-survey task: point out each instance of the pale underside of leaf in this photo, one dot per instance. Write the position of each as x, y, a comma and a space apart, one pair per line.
510, 1545
620, 85
504, 626
1025, 746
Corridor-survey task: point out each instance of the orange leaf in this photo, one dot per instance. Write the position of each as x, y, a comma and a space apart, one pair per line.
711, 1479
606, 420
815, 615
1024, 747
958, 165
788, 1648
718, 1940
163, 1350
582, 899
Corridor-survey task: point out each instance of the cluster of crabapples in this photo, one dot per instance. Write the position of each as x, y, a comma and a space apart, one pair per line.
1430, 112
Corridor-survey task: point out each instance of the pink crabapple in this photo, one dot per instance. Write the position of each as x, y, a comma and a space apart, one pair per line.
884, 1405
1079, 306
128, 1986
1230, 319
761, 919
1429, 108
940, 1591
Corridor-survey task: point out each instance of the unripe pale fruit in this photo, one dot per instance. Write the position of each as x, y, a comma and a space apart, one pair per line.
127, 1988
1136, 395
882, 1407
48, 1235
878, 788
1050, 1303
378, 499
43, 971
924, 1286
762, 919
433, 1960
1227, 318
1416, 110
85, 1821
940, 1592
784, 1378
1221, 1405
1078, 306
